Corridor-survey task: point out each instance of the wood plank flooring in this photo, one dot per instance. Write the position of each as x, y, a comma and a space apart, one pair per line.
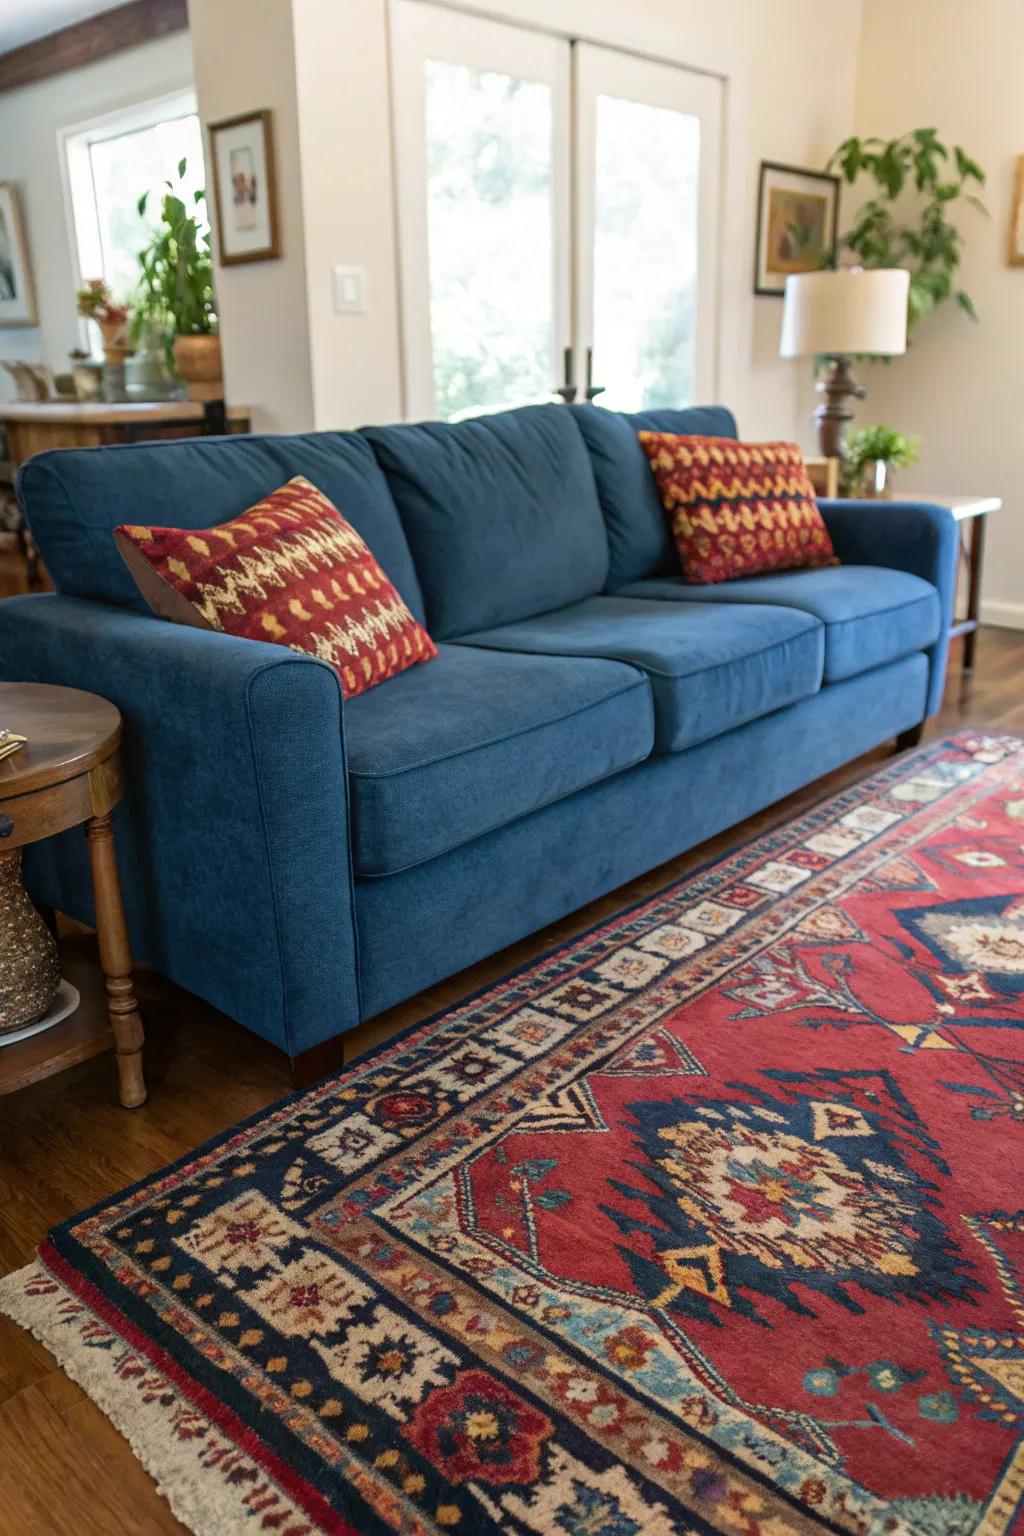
65, 1144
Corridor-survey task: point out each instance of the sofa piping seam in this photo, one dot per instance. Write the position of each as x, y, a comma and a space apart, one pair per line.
497, 825
251, 679
678, 677
494, 741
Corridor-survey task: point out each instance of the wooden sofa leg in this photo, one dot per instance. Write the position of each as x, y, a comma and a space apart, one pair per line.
319, 1061
911, 738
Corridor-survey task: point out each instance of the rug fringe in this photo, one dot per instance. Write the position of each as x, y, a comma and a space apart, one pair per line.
210, 1486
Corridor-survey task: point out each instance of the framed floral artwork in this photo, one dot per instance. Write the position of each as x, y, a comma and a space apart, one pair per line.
245, 193
797, 218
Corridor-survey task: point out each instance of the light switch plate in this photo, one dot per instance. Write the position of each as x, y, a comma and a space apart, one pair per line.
348, 285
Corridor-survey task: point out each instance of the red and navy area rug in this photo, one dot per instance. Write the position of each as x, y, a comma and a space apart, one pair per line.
710, 1221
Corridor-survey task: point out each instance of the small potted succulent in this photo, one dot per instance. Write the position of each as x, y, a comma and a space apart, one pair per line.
96, 302
870, 457
176, 284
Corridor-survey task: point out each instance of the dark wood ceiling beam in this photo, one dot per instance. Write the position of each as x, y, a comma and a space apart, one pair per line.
94, 38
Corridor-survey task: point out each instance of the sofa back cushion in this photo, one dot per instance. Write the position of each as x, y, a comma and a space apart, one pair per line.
639, 535
74, 499
501, 514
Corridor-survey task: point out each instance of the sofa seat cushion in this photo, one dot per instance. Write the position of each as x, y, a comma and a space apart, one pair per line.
711, 667
871, 614
501, 514
442, 754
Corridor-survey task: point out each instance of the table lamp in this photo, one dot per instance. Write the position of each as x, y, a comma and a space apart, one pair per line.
839, 314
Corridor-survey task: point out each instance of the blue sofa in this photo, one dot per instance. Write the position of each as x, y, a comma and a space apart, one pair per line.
303, 864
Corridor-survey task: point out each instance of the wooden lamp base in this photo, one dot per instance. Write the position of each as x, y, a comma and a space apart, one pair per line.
838, 386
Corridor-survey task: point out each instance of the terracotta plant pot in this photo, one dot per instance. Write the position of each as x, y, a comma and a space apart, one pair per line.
116, 346
198, 360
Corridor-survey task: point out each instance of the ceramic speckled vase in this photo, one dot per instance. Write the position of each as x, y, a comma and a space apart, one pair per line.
29, 966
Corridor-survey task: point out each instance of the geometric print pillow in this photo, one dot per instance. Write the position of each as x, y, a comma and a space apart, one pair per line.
290, 570
737, 509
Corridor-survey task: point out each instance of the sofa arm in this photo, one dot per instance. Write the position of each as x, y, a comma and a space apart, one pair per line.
919, 537
233, 839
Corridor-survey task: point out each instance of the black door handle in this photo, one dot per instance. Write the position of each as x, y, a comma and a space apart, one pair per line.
568, 390
6, 825
593, 390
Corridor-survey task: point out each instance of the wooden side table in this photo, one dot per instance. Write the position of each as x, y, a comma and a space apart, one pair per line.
68, 775
970, 513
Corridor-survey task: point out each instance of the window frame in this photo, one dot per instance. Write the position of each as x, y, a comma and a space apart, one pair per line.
75, 142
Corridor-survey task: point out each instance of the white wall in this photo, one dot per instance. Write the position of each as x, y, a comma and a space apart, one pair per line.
956, 67
791, 68
30, 119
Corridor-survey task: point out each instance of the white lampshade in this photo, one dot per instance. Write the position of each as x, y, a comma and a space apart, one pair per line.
837, 314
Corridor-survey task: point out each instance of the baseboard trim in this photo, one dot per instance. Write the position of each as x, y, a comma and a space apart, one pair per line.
1005, 615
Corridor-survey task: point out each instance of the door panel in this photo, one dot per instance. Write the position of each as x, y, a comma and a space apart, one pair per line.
483, 180
557, 203
647, 168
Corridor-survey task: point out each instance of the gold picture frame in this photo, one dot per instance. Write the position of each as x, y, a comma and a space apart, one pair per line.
245, 187
1015, 250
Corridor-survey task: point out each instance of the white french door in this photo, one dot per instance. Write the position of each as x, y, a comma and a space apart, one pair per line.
557, 218
482, 132
646, 185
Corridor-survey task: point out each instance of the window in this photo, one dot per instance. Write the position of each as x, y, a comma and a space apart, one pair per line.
489, 237
110, 163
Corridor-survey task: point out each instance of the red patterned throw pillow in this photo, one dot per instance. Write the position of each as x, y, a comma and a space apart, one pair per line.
737, 509
291, 570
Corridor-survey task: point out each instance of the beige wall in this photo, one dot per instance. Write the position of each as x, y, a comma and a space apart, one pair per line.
245, 59
957, 67
341, 56
791, 71
30, 120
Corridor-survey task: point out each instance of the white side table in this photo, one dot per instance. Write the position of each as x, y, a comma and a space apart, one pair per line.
970, 512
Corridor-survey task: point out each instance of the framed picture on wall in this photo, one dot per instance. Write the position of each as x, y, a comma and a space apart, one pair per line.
1015, 255
17, 295
242, 154
797, 223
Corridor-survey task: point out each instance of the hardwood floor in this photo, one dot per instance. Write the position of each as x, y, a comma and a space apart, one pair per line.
65, 1144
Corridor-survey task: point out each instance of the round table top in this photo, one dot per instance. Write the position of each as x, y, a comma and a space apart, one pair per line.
69, 732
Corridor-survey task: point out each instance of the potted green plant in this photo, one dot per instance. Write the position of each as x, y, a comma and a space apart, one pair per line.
870, 457
918, 184
176, 289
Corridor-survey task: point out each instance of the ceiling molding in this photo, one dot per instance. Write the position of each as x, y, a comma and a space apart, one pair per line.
94, 38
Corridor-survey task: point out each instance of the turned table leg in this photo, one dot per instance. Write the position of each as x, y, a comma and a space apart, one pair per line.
116, 960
